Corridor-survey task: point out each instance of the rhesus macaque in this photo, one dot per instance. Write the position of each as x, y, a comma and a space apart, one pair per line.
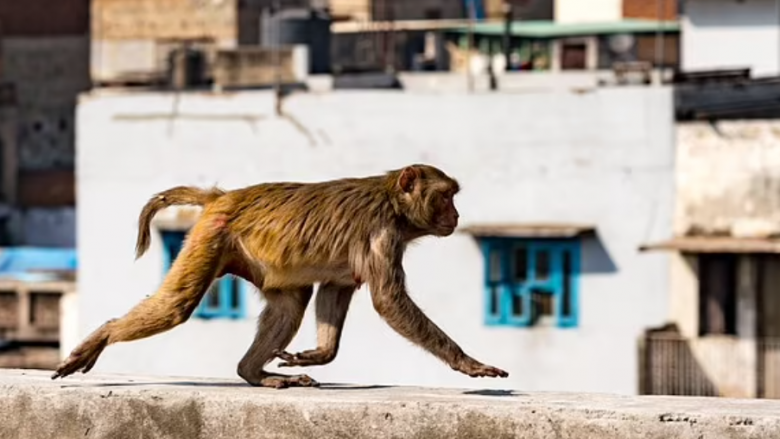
284, 237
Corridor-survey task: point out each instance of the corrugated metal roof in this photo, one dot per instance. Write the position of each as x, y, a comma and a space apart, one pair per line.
716, 244
528, 230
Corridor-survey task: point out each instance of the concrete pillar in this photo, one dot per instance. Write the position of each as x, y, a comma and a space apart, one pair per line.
747, 319
747, 293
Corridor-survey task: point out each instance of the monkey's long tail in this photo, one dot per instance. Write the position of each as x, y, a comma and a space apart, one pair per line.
180, 195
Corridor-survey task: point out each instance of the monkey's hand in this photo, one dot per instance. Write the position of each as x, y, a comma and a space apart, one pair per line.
84, 356
312, 357
474, 369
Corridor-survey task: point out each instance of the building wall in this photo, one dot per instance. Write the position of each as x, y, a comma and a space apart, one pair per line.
578, 11
602, 157
130, 36
418, 9
650, 9
44, 18
716, 33
45, 55
728, 177
727, 183
151, 19
48, 74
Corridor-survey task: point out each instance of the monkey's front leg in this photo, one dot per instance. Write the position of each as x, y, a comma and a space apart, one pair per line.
332, 304
392, 302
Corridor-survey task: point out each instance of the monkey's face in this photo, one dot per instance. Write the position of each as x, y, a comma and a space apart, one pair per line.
444, 218
428, 195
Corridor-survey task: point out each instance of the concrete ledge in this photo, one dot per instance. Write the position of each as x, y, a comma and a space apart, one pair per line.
116, 407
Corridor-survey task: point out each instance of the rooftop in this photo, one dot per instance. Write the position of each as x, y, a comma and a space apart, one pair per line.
551, 29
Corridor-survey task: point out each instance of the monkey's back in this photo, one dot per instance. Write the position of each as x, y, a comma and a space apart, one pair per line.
308, 228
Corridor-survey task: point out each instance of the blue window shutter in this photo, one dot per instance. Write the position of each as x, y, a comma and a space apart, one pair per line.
523, 292
488, 247
515, 290
572, 320
172, 241
557, 283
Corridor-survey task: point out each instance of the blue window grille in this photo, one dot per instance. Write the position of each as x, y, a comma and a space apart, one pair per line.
226, 297
527, 280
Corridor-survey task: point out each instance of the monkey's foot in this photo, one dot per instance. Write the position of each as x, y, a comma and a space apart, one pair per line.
279, 381
84, 356
474, 369
311, 357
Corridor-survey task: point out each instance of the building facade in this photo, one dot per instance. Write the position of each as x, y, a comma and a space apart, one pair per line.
725, 266
543, 279
716, 33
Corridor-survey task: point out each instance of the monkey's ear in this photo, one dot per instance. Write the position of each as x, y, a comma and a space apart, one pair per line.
408, 177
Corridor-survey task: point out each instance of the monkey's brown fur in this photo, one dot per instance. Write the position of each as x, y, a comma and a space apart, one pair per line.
284, 237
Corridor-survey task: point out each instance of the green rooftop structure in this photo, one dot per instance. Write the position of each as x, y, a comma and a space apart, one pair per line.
548, 29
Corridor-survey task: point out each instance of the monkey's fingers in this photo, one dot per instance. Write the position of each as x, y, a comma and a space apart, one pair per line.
284, 355
70, 366
83, 357
476, 369
490, 371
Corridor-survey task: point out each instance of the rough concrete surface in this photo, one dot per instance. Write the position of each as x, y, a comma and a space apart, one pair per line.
98, 406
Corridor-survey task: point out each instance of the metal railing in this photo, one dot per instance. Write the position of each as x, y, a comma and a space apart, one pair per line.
710, 366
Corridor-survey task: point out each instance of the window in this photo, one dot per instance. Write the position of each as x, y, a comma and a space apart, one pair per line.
530, 281
432, 13
225, 298
717, 294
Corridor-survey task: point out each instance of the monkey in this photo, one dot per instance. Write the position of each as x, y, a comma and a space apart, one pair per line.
284, 237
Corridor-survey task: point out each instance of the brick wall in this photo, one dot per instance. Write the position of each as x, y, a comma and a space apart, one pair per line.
156, 19
25, 18
48, 74
648, 9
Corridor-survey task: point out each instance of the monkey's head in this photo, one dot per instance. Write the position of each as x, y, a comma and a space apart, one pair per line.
425, 197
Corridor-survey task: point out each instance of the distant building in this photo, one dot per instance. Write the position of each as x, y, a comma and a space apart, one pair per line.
35, 283
599, 11
45, 64
725, 276
728, 34
543, 279
571, 46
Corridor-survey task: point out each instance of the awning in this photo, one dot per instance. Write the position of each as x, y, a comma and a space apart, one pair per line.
528, 230
716, 244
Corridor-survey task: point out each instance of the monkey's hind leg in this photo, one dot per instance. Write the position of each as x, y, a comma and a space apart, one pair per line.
278, 324
332, 304
192, 273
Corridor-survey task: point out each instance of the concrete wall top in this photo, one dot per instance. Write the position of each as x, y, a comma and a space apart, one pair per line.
159, 407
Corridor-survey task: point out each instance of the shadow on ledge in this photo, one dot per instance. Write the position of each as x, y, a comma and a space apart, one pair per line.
323, 386
493, 392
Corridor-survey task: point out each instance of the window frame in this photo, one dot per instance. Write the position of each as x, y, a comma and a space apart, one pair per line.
225, 284
553, 284
727, 266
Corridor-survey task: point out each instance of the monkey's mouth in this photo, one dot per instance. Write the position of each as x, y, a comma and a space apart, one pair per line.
446, 229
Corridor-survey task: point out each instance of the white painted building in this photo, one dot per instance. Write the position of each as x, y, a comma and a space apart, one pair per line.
578, 11
721, 34
600, 160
